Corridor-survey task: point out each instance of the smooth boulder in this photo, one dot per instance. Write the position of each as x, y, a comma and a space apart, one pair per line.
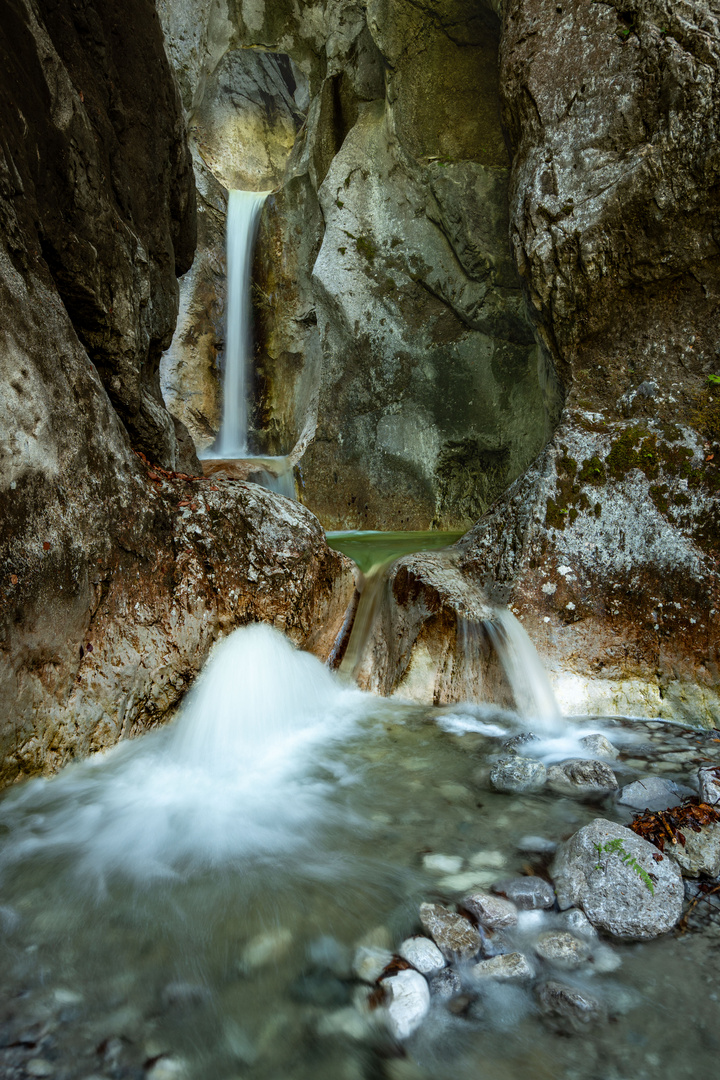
651, 793
624, 885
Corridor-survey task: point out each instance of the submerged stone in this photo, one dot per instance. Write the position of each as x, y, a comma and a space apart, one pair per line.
516, 774
599, 746
569, 1006
509, 967
369, 963
446, 984
527, 893
651, 793
442, 864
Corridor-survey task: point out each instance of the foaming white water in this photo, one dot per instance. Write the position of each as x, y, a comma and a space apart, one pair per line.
243, 218
534, 697
235, 777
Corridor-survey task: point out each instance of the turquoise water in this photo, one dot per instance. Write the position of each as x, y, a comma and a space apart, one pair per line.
370, 549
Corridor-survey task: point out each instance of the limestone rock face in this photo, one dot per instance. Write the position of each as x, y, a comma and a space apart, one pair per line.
114, 580
98, 194
390, 317
606, 546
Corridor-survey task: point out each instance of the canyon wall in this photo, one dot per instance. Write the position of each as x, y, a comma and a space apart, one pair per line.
494, 255
389, 313
115, 578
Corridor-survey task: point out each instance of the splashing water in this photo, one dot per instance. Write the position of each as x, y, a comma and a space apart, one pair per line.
230, 780
534, 697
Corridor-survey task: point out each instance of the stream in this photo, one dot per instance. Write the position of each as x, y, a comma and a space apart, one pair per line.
189, 904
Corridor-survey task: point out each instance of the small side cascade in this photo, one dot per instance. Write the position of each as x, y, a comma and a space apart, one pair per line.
524, 672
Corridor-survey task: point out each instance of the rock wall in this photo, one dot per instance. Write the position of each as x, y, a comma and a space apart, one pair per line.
114, 579
390, 316
607, 547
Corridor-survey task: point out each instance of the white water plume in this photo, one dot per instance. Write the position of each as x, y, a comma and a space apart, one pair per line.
243, 218
234, 777
527, 678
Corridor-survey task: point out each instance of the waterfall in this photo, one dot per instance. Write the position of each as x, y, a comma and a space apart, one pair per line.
240, 774
526, 676
244, 208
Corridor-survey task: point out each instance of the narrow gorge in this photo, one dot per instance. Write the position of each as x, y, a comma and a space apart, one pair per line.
360, 507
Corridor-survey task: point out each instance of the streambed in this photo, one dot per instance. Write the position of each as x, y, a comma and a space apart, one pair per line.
189, 904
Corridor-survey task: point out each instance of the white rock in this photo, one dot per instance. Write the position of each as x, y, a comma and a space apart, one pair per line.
369, 963
442, 864
266, 948
509, 967
348, 1022
491, 859
709, 780
409, 1004
423, 954
168, 1068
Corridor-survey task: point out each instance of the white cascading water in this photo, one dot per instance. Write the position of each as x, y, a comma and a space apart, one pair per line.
527, 678
243, 218
233, 778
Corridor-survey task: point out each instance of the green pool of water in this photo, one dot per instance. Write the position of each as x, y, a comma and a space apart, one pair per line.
373, 548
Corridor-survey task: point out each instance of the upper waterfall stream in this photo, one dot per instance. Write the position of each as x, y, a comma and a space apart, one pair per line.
243, 218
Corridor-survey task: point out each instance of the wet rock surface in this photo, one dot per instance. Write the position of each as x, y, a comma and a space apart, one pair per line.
492, 911
518, 774
650, 793
527, 893
699, 856
709, 779
593, 871
569, 1004
562, 949
453, 934
410, 1000
422, 954
509, 967
582, 778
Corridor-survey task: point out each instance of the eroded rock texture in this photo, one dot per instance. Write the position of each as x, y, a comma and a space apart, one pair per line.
111, 591
390, 314
607, 547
